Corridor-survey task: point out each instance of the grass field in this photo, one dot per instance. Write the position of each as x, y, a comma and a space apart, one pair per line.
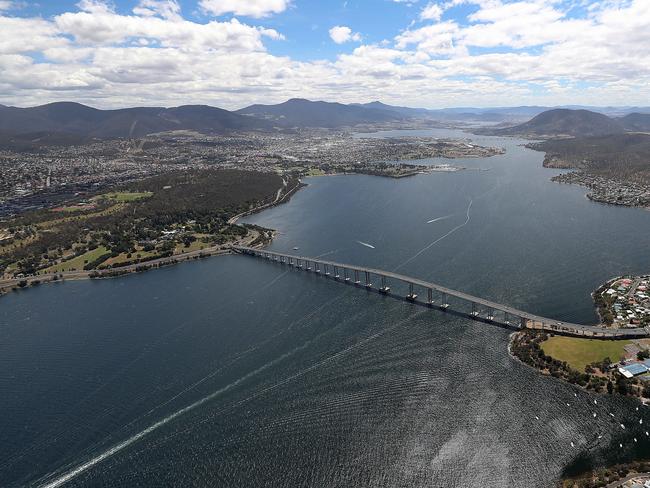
78, 262
578, 353
49, 224
194, 246
120, 259
74, 208
124, 196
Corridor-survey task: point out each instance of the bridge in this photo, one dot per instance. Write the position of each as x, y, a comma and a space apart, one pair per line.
437, 296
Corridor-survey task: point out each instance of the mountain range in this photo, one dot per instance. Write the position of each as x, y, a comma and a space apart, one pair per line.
81, 120
298, 112
68, 122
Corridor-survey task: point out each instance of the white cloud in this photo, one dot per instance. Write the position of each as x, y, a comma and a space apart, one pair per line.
342, 33
42, 35
159, 21
250, 8
167, 9
432, 11
434, 39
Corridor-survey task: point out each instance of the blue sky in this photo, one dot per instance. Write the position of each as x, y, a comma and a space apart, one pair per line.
431, 53
305, 24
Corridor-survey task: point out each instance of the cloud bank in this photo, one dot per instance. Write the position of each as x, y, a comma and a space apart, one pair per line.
501, 53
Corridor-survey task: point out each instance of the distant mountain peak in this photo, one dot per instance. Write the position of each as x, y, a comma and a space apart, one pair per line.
567, 122
300, 112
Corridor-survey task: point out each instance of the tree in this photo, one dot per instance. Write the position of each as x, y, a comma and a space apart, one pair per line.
643, 354
610, 387
622, 385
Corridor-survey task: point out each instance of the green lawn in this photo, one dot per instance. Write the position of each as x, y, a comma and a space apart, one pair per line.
120, 259
197, 245
581, 352
77, 264
125, 196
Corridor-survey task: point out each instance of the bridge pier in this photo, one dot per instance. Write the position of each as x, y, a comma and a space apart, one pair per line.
327, 271
490, 314
411, 296
346, 278
317, 267
336, 273
474, 309
443, 301
384, 288
429, 296
368, 283
522, 322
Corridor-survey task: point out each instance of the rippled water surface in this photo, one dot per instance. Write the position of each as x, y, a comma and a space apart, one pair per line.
238, 372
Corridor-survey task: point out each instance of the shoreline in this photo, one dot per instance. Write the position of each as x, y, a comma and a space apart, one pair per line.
600, 189
566, 374
277, 201
15, 284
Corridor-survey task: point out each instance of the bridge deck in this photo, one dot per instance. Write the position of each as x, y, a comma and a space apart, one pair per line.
532, 321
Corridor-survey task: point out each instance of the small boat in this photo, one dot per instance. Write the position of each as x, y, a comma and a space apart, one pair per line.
296, 248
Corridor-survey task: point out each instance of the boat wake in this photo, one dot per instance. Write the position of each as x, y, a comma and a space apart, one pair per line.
438, 219
428, 246
64, 478
366, 244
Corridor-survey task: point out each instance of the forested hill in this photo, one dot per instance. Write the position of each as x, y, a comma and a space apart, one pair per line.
617, 156
75, 119
565, 122
299, 112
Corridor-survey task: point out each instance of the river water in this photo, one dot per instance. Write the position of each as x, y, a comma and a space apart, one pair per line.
233, 371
